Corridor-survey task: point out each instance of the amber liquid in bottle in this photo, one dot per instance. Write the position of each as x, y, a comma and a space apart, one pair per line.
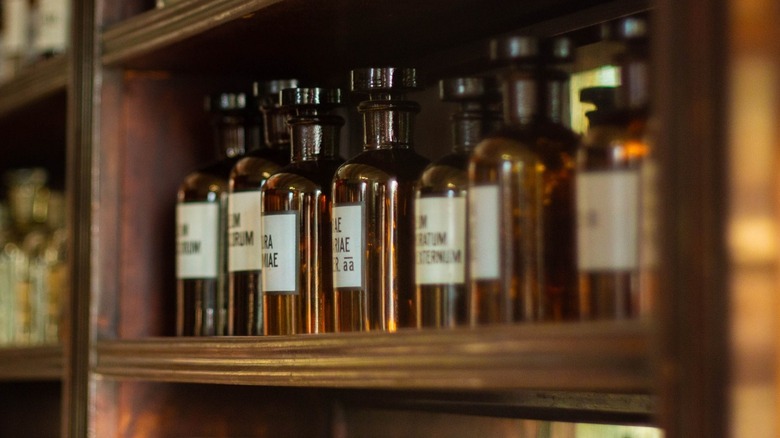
244, 234
201, 218
440, 208
297, 246
522, 182
613, 166
373, 222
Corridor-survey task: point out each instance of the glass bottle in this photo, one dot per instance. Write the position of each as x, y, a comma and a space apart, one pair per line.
54, 262
297, 246
28, 198
440, 206
609, 184
201, 232
373, 221
246, 179
521, 199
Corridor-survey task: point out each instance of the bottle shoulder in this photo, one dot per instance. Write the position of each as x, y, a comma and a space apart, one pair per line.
445, 175
304, 176
250, 172
554, 144
207, 183
610, 147
384, 164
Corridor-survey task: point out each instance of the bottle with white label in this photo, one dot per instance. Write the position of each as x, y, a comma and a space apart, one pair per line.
609, 182
267, 136
296, 245
373, 220
521, 199
440, 206
52, 27
201, 226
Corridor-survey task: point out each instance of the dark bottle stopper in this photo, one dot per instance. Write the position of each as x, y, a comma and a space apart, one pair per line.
226, 102
602, 97
478, 114
515, 49
267, 92
469, 89
313, 97
384, 80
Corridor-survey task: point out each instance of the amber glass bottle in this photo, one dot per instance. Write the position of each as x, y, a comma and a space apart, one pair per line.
440, 206
521, 200
271, 152
297, 274
373, 222
609, 188
201, 217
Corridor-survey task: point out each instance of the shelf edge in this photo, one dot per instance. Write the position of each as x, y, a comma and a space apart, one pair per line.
596, 357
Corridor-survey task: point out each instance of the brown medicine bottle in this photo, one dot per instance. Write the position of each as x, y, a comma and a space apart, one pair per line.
272, 151
440, 206
521, 197
201, 218
296, 243
613, 163
373, 221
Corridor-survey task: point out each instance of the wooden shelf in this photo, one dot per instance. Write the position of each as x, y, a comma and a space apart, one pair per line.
325, 39
592, 357
31, 363
34, 84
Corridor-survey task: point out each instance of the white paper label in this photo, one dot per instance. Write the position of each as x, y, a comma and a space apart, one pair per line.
197, 232
440, 240
484, 252
280, 252
348, 250
244, 232
53, 16
15, 26
607, 220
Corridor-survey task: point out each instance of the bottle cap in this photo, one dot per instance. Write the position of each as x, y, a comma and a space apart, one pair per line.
602, 97
226, 102
516, 48
469, 89
368, 80
310, 97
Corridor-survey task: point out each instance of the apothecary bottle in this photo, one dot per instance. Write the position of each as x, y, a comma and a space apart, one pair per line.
373, 222
296, 244
269, 136
609, 186
441, 294
521, 202
201, 225
28, 200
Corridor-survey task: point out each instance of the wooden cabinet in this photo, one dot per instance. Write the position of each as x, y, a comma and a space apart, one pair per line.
128, 98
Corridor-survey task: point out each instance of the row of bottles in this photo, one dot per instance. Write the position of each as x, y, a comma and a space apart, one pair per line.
33, 259
523, 221
31, 30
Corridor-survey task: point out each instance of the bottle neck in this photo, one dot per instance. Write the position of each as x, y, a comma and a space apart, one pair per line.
388, 124
532, 94
471, 125
230, 136
277, 136
314, 136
